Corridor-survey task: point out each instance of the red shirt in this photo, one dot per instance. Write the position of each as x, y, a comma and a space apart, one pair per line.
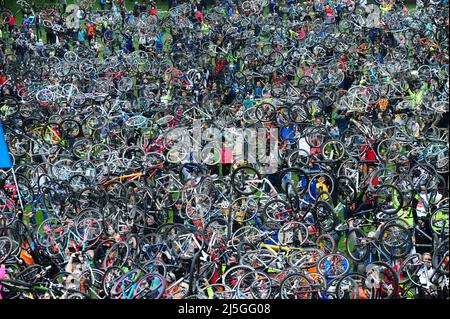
12, 20
3, 79
199, 16
153, 12
91, 30
375, 181
220, 65
301, 34
369, 154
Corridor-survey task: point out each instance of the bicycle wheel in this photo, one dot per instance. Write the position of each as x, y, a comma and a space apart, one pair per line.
396, 240
293, 234
124, 287
232, 276
345, 190
315, 105
353, 286
198, 206
333, 265
246, 180
306, 84
278, 89
254, 285
382, 280
278, 210
297, 178
298, 158
333, 150
296, 286
324, 214
389, 199
89, 227
298, 113
357, 246
389, 149
409, 269
244, 209
116, 255
326, 243
248, 234
151, 286
439, 221
305, 258
265, 112
6, 247
71, 128
315, 137
9, 107
441, 258
112, 274
52, 134
51, 232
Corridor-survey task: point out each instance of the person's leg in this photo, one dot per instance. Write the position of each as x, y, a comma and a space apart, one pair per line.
228, 9
286, 179
226, 169
44, 214
186, 173
214, 169
26, 58
33, 218
22, 56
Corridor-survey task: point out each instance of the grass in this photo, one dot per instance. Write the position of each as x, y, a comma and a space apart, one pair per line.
16, 9
162, 5
162, 9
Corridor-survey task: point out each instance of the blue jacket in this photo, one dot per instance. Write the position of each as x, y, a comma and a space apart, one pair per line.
288, 132
82, 35
258, 92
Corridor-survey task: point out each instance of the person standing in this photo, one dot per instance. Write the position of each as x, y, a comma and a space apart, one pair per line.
108, 4
37, 25
426, 290
90, 32
81, 35
177, 209
273, 6
11, 24
153, 10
